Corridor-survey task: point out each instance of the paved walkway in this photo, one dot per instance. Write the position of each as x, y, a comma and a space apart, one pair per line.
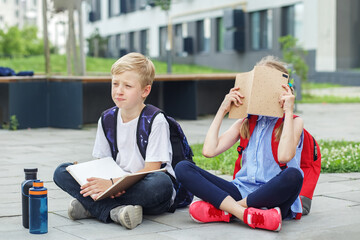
335, 212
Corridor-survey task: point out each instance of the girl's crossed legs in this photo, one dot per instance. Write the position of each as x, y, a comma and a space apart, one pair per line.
281, 191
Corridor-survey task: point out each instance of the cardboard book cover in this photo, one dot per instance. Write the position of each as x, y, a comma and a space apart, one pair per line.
261, 89
106, 168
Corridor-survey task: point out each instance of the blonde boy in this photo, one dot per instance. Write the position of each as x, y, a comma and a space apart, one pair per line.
132, 78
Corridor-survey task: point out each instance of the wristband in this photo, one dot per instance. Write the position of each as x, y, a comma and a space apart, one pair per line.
112, 181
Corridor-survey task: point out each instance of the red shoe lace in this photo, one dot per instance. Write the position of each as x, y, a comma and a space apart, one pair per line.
257, 219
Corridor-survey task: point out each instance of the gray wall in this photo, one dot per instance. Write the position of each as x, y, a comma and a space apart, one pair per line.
348, 34
237, 61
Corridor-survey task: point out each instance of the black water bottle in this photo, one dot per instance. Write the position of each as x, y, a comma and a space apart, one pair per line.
30, 176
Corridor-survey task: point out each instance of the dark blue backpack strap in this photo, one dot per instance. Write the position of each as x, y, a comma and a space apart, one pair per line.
183, 148
180, 148
144, 125
109, 123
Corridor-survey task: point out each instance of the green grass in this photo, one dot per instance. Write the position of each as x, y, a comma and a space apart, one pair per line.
95, 66
308, 98
337, 157
313, 85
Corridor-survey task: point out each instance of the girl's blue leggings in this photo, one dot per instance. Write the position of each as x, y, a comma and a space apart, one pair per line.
281, 191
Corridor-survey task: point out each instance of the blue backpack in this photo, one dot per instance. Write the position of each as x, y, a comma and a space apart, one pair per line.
180, 147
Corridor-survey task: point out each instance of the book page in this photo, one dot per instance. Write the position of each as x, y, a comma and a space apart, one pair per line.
101, 168
266, 90
244, 82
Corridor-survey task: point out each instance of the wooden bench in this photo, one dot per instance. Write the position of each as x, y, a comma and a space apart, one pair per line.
71, 101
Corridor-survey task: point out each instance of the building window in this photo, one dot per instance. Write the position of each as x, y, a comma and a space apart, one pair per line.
132, 42
292, 19
95, 13
261, 29
220, 31
203, 35
121, 44
112, 48
178, 40
144, 42
163, 40
114, 8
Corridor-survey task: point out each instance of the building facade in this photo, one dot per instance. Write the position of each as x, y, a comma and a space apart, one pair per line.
229, 34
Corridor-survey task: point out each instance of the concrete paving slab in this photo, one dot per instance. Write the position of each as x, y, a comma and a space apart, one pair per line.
336, 187
353, 196
113, 230
54, 234
179, 220
334, 214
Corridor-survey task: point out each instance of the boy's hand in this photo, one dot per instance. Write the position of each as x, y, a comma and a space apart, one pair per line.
233, 96
95, 187
117, 195
287, 99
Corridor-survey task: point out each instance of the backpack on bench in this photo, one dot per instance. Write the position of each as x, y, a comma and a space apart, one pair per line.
180, 147
310, 162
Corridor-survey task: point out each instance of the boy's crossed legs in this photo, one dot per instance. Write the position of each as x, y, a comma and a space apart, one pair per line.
144, 197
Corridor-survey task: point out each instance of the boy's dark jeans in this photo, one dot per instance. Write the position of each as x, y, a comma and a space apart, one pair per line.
153, 193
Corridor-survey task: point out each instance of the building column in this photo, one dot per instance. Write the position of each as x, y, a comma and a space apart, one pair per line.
326, 51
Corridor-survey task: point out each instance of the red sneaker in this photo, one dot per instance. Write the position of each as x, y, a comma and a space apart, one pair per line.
265, 219
203, 212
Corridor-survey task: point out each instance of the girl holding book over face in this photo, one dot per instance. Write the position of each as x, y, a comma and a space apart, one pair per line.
261, 194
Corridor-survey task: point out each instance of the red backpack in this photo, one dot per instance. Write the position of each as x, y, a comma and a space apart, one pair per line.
310, 162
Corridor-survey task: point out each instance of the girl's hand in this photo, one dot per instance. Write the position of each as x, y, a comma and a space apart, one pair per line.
95, 187
287, 99
234, 97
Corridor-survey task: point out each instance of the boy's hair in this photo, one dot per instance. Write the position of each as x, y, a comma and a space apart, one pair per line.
138, 63
273, 62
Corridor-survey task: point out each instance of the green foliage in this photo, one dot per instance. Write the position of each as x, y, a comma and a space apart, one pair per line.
12, 125
337, 156
17, 42
294, 54
164, 4
97, 44
12, 43
33, 45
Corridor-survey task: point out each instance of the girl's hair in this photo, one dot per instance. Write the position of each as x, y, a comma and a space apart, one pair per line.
273, 62
138, 63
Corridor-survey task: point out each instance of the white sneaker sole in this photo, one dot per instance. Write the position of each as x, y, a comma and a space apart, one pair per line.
279, 227
130, 216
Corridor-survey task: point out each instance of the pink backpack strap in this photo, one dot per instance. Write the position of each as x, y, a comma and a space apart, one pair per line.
244, 142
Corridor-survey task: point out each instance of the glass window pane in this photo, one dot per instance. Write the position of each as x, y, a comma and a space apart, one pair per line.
269, 28
220, 34
298, 21
207, 34
255, 30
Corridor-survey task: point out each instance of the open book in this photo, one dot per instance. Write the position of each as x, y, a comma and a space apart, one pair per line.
261, 89
106, 168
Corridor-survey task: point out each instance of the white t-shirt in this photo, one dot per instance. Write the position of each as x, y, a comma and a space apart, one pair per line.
129, 157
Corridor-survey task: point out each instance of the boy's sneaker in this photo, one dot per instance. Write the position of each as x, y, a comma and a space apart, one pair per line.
265, 219
203, 212
77, 211
128, 216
